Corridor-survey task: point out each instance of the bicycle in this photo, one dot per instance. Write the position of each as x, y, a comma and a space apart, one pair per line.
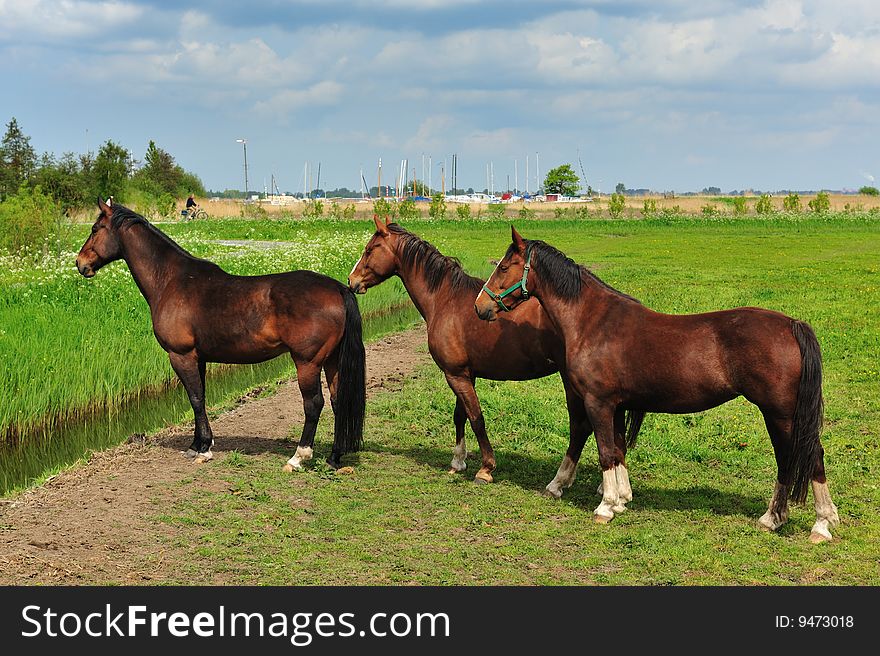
194, 213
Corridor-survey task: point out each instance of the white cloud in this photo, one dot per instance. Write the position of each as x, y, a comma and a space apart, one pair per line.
63, 19
281, 104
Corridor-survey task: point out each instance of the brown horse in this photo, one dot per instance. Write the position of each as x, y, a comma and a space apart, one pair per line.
621, 356
523, 346
202, 314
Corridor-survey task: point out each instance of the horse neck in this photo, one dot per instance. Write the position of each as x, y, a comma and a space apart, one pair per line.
574, 318
152, 261
413, 278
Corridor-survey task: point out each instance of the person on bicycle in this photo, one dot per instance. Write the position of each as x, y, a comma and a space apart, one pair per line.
191, 207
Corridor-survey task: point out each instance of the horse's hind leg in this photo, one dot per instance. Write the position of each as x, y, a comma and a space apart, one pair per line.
826, 512
463, 387
191, 371
779, 429
579, 429
331, 371
308, 376
621, 473
459, 455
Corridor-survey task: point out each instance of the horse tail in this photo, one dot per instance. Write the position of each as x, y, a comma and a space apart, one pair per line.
633, 423
806, 450
351, 393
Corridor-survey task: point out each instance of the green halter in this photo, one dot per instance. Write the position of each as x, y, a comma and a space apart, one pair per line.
499, 298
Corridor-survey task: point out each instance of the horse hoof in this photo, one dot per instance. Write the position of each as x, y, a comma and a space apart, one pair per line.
479, 480
202, 458
552, 494
190, 453
619, 508
819, 538
345, 470
287, 468
452, 470
602, 519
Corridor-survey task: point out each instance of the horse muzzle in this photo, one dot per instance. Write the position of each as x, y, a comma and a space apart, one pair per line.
85, 270
486, 313
358, 286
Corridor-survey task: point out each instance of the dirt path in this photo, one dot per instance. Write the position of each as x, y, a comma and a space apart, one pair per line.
92, 523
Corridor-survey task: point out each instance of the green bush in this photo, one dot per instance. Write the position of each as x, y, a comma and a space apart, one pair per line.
437, 210
314, 209
709, 210
739, 205
583, 213
792, 202
407, 210
463, 211
495, 212
821, 203
29, 220
649, 208
525, 213
869, 191
616, 205
384, 209
764, 205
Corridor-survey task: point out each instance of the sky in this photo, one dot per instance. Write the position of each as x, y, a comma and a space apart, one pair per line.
670, 95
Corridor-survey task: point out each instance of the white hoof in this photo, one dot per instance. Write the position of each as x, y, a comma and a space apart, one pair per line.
303, 454
553, 491
203, 457
820, 532
457, 466
770, 521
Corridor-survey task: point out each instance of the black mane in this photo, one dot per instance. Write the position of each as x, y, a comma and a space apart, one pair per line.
561, 274
416, 252
123, 217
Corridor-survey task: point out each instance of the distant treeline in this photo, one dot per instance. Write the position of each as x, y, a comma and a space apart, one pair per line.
75, 180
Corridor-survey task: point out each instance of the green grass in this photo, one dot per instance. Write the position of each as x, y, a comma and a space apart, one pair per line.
700, 481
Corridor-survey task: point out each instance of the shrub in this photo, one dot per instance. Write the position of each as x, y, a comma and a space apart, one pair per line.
495, 211
29, 219
739, 205
407, 209
437, 210
821, 203
869, 191
582, 213
709, 210
649, 208
463, 211
764, 205
616, 205
560, 213
525, 213
314, 209
791, 203
384, 209
253, 211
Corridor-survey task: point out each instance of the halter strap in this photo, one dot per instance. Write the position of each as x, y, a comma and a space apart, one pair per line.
499, 298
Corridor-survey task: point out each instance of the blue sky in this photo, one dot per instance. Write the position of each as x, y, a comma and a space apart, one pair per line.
666, 94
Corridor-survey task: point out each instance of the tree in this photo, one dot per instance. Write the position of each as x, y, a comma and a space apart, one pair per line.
562, 180
17, 159
620, 188
869, 191
109, 173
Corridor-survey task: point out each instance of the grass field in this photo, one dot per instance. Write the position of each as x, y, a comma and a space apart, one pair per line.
700, 481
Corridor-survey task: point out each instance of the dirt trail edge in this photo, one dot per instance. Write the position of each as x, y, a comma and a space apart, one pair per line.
92, 523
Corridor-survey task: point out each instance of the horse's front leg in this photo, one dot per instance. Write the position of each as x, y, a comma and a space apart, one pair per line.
602, 417
463, 386
579, 429
459, 455
191, 371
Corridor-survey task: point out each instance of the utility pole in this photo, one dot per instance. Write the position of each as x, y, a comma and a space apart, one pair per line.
243, 142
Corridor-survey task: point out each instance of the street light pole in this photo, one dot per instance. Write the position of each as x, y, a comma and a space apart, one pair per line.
243, 142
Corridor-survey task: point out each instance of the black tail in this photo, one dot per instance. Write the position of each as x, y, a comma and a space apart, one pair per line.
633, 423
806, 450
351, 394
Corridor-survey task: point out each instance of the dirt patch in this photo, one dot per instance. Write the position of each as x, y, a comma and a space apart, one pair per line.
91, 524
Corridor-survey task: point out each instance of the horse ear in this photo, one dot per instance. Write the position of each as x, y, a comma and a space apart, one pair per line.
388, 220
518, 240
381, 228
104, 207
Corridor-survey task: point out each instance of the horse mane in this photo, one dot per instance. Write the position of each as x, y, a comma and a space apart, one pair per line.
123, 217
436, 267
561, 274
